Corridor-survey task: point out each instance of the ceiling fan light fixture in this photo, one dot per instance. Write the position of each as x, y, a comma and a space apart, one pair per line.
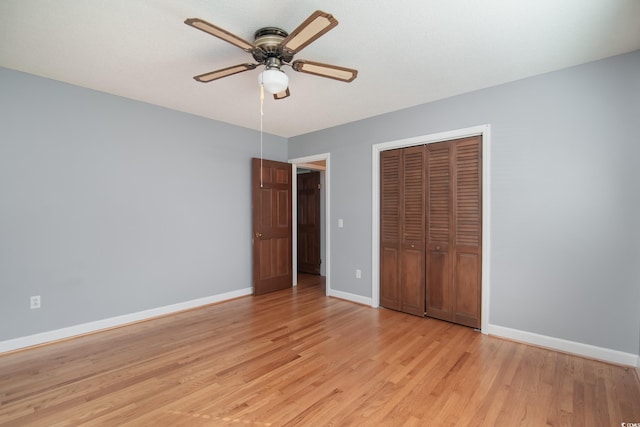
273, 80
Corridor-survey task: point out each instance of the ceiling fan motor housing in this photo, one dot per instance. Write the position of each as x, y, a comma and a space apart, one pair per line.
267, 41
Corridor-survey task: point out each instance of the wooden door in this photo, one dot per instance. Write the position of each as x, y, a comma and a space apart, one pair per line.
271, 217
439, 213
467, 231
308, 193
412, 238
454, 232
402, 243
390, 228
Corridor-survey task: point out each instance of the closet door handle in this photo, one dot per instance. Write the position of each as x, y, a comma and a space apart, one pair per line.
258, 234
437, 248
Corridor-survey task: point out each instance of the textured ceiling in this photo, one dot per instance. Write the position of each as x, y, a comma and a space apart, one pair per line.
407, 52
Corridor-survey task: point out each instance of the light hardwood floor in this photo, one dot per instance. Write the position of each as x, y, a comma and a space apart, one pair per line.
296, 357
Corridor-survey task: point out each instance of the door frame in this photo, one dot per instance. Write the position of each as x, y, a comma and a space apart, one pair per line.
303, 163
485, 132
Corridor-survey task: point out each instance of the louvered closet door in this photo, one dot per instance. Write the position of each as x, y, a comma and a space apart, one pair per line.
439, 213
454, 232
412, 255
467, 272
390, 228
402, 229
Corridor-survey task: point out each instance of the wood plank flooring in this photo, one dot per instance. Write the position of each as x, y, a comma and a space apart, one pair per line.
296, 357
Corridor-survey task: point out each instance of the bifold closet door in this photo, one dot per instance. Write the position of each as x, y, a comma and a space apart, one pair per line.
439, 213
412, 238
454, 232
402, 252
390, 228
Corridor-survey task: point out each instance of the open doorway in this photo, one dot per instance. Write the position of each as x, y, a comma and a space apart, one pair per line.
304, 272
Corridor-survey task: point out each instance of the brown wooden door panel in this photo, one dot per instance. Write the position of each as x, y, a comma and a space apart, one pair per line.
412, 281
389, 285
466, 309
438, 289
438, 194
303, 255
390, 229
412, 263
439, 219
468, 192
413, 199
454, 197
467, 274
308, 193
402, 230
275, 255
271, 218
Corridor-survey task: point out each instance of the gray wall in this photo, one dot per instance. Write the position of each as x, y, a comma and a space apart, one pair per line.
110, 206
565, 258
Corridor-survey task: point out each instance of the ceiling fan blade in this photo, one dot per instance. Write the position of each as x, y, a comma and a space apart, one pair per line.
325, 70
281, 95
311, 29
221, 34
224, 72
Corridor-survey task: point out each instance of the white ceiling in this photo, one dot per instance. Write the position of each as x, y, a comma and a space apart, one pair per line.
407, 52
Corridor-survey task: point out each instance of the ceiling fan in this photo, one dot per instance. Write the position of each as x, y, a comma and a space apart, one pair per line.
274, 48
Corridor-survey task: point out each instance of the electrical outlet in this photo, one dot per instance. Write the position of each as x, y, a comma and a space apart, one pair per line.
35, 301
358, 273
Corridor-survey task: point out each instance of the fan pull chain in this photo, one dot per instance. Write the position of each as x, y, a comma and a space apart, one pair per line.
261, 117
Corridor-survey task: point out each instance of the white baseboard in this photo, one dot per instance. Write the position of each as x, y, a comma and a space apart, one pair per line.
586, 350
580, 349
350, 297
85, 328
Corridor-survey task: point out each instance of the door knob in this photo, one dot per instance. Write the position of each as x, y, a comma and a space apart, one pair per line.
258, 234
437, 248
